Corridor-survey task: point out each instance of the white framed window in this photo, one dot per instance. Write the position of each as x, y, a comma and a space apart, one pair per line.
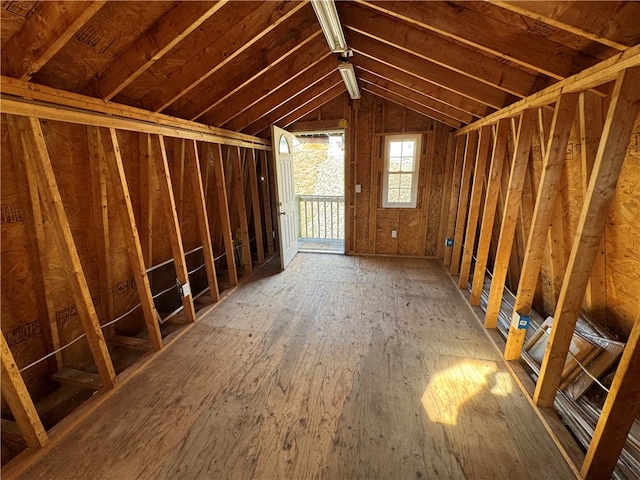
401, 167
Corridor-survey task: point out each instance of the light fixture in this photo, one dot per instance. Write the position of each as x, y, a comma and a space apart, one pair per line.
330, 24
349, 78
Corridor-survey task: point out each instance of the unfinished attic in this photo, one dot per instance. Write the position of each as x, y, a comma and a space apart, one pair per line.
482, 319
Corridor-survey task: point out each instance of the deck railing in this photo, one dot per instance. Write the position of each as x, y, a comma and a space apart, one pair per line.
321, 216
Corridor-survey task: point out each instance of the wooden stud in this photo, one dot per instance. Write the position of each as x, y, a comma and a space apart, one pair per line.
543, 211
555, 243
193, 171
444, 205
241, 209
255, 202
15, 392
463, 199
177, 177
510, 214
150, 47
456, 179
146, 198
475, 204
266, 200
120, 189
625, 104
172, 224
491, 199
591, 123
99, 186
26, 178
223, 203
34, 142
46, 31
620, 410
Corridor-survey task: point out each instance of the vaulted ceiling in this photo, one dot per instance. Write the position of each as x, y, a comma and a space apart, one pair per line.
246, 65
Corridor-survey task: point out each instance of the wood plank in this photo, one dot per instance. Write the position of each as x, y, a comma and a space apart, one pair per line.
510, 214
146, 198
585, 19
591, 124
14, 392
500, 151
620, 410
172, 224
176, 173
591, 77
131, 342
491, 36
439, 49
266, 200
255, 202
471, 150
225, 218
81, 378
263, 19
99, 188
120, 190
475, 203
454, 199
33, 141
556, 242
430, 71
547, 192
195, 177
50, 26
76, 108
166, 33
624, 107
240, 206
446, 199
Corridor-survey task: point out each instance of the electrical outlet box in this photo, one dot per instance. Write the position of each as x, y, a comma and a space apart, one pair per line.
358, 188
394, 233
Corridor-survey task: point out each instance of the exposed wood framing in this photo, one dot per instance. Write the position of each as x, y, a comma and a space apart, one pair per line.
470, 154
509, 216
255, 203
241, 209
33, 142
195, 177
446, 199
15, 392
543, 211
624, 107
120, 189
491, 200
263, 160
146, 198
51, 25
458, 160
172, 224
166, 33
619, 412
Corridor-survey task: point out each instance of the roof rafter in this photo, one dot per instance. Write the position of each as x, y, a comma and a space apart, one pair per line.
46, 31
165, 34
225, 48
490, 35
441, 50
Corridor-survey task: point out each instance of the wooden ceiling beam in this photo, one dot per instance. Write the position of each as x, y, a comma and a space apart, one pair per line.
225, 48
432, 72
443, 112
269, 81
408, 103
280, 95
281, 45
297, 101
45, 32
163, 35
489, 35
441, 50
314, 104
421, 85
608, 23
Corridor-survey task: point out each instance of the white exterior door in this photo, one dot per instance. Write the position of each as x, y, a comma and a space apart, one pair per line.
282, 144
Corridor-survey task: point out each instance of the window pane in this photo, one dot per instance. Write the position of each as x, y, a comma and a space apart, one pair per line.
405, 195
284, 145
405, 180
395, 149
407, 147
395, 164
407, 164
393, 195
394, 181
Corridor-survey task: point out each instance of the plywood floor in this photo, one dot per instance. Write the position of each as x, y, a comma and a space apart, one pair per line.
339, 368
